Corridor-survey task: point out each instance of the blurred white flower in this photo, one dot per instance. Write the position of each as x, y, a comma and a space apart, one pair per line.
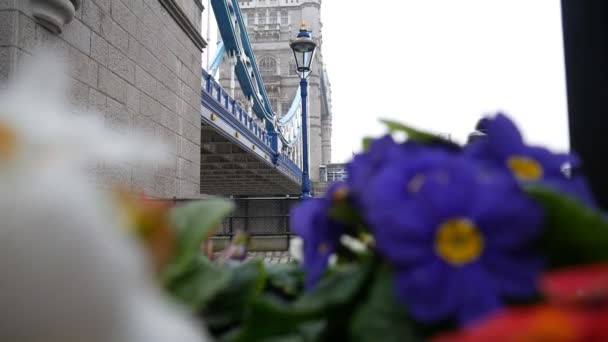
70, 271
38, 126
296, 246
354, 245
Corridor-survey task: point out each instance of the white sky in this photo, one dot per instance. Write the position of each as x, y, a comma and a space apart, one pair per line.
441, 64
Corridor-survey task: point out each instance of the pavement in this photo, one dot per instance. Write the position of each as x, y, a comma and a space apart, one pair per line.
277, 257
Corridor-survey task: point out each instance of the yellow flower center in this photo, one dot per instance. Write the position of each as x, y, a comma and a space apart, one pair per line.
525, 168
458, 241
8, 142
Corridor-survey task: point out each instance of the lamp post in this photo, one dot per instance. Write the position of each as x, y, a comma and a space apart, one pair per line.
304, 48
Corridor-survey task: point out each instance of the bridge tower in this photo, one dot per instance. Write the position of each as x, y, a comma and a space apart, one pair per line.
270, 25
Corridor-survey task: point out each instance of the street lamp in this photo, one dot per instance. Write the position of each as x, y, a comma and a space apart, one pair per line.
304, 48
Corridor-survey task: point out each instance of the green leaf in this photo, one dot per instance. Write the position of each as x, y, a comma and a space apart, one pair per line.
345, 213
200, 282
194, 222
411, 132
262, 321
310, 316
231, 304
381, 316
335, 289
367, 141
574, 233
420, 136
287, 279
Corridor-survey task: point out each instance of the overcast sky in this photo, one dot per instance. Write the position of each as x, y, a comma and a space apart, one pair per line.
441, 64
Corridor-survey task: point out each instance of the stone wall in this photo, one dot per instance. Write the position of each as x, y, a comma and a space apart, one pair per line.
137, 63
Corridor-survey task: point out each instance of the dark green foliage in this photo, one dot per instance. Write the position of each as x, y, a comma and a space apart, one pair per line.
574, 234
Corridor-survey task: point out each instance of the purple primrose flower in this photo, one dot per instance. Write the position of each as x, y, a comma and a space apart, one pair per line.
319, 232
460, 239
504, 147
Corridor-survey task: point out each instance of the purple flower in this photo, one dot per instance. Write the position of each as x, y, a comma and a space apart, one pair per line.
365, 165
460, 239
320, 233
504, 147
382, 152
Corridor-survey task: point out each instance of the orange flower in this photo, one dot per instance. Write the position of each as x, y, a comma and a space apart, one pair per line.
533, 324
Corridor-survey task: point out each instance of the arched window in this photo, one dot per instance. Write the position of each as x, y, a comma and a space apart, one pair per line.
268, 66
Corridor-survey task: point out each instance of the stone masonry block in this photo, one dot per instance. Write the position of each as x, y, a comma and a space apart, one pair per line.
97, 101
169, 119
169, 139
153, 5
79, 95
148, 36
82, 67
136, 6
191, 79
7, 4
103, 4
188, 150
99, 49
150, 18
165, 187
115, 34
112, 85
165, 96
192, 98
189, 131
144, 125
150, 108
167, 57
188, 170
133, 98
92, 15
7, 58
117, 116
8, 27
134, 47
188, 189
191, 115
148, 62
78, 35
52, 41
143, 180
123, 16
167, 166
144, 81
168, 78
119, 63
27, 33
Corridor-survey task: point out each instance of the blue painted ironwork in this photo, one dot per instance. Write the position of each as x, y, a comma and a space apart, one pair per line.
305, 176
217, 61
213, 96
236, 41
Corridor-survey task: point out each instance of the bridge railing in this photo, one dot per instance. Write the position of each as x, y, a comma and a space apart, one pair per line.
221, 97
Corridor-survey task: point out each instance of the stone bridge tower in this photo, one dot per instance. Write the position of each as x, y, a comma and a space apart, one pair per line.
271, 24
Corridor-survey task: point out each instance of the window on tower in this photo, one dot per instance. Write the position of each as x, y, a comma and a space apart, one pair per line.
273, 17
268, 66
